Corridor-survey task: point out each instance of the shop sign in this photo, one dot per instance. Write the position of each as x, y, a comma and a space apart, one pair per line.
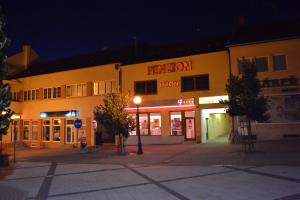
78, 123
168, 84
213, 99
281, 82
189, 101
170, 67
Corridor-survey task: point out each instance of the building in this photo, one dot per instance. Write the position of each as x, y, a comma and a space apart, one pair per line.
180, 90
49, 96
180, 98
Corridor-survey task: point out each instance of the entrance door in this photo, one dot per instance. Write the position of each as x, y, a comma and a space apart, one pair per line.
190, 128
70, 129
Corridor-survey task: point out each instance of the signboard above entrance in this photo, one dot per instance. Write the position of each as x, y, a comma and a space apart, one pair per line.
170, 67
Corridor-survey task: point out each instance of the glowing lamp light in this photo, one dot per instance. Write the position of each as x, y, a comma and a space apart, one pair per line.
137, 100
43, 115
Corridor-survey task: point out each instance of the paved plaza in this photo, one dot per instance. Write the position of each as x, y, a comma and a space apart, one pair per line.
162, 172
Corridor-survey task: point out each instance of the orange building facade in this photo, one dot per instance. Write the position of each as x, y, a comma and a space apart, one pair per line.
180, 97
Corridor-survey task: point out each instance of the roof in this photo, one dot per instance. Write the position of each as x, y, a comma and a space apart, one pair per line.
124, 56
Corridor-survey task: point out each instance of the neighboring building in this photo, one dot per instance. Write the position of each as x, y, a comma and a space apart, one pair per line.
49, 96
275, 48
278, 67
179, 98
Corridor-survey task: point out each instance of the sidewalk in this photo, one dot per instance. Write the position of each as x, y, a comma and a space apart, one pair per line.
167, 172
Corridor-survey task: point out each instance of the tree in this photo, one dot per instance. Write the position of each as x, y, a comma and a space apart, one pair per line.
114, 118
5, 94
244, 99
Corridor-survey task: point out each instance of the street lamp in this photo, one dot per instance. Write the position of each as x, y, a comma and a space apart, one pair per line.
137, 101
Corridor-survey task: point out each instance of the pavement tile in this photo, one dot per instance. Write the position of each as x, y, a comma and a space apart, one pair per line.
94, 181
143, 192
286, 171
30, 186
160, 173
234, 185
77, 168
27, 172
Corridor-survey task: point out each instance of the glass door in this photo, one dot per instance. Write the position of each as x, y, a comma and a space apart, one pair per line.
70, 129
190, 128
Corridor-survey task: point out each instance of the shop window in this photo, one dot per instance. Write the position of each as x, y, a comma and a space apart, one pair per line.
145, 87
279, 62
132, 131
34, 135
155, 124
26, 130
46, 130
56, 129
176, 123
261, 64
15, 96
194, 83
144, 128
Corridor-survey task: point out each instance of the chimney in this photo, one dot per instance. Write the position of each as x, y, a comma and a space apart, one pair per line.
27, 51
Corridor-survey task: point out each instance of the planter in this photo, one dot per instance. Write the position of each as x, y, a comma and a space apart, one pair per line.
4, 159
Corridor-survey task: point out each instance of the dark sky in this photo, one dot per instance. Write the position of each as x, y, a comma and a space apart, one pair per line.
60, 28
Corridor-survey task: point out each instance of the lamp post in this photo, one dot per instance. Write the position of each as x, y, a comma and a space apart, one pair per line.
137, 101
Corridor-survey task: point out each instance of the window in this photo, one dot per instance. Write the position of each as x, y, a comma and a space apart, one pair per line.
25, 95
46, 130
33, 96
194, 83
261, 64
26, 130
29, 95
145, 87
47, 93
279, 62
15, 96
76, 90
56, 92
176, 123
240, 63
37, 94
34, 130
144, 129
56, 129
155, 124
108, 87
104, 87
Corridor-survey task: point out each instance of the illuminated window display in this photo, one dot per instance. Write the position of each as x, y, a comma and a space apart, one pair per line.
176, 123
56, 130
46, 130
155, 124
34, 130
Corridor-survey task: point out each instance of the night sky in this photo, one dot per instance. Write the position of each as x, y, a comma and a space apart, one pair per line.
63, 28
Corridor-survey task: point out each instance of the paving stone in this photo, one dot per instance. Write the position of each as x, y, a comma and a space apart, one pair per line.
77, 168
94, 181
143, 192
234, 185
